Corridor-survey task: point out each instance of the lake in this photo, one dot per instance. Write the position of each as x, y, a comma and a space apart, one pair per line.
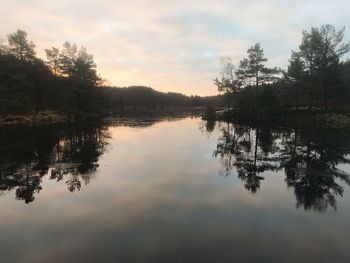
174, 190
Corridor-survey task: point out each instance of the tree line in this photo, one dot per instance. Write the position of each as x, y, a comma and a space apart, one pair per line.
317, 79
68, 81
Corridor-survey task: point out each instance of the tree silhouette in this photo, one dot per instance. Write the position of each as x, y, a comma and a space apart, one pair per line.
318, 61
20, 47
53, 59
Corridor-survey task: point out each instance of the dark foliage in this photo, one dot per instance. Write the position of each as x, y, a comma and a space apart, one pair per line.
316, 80
68, 82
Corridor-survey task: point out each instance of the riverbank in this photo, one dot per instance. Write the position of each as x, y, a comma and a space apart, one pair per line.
46, 117
319, 120
305, 119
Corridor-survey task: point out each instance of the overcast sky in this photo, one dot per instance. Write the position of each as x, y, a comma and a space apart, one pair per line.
170, 45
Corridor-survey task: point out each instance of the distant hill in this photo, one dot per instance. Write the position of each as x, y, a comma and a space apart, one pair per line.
146, 96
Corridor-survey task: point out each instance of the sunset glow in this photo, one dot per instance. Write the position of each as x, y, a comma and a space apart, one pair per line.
170, 45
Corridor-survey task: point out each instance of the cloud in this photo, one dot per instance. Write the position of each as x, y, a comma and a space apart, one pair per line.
170, 46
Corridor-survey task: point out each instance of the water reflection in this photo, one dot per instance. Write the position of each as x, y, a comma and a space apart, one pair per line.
65, 153
207, 126
153, 189
308, 158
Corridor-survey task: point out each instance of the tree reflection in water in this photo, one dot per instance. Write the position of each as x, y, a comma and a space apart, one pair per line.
308, 158
66, 153
310, 165
30, 153
248, 151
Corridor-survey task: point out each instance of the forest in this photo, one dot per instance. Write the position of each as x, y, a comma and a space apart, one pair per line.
68, 81
317, 79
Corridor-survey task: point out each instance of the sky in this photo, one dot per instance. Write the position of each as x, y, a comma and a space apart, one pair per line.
170, 45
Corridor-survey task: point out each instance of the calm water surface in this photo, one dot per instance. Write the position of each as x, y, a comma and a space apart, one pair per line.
174, 191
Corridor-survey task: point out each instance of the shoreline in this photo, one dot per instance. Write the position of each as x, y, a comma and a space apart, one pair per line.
294, 119
45, 117
302, 119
